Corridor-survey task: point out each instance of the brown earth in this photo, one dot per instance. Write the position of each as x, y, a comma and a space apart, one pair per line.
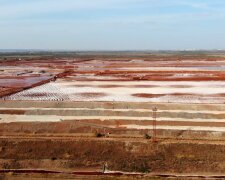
134, 155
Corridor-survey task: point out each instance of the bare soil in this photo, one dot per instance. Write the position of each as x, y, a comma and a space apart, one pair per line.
132, 155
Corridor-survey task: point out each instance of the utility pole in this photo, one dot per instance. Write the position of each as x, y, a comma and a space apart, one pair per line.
154, 110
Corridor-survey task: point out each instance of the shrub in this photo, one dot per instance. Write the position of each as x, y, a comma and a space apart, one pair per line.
147, 136
99, 135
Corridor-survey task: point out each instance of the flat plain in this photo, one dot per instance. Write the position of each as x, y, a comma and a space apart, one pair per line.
91, 110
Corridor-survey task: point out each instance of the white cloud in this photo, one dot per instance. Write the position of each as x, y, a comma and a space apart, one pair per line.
16, 9
23, 8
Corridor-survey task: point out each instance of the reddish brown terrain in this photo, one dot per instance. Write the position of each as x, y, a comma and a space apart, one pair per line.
69, 117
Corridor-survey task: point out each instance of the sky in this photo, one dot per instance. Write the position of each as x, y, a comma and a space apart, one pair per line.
112, 24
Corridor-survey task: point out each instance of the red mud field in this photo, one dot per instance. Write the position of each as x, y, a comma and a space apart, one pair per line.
69, 117
148, 95
16, 84
19, 82
145, 95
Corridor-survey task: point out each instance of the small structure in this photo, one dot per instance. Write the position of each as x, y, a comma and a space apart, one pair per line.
154, 111
105, 167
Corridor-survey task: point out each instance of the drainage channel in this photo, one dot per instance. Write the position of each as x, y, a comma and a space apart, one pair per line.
110, 173
87, 173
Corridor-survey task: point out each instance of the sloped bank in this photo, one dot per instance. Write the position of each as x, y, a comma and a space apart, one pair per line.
130, 155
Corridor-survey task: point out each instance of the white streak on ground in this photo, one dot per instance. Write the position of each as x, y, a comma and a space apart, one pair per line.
69, 91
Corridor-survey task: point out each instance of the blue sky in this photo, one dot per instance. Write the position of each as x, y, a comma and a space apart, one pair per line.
112, 24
